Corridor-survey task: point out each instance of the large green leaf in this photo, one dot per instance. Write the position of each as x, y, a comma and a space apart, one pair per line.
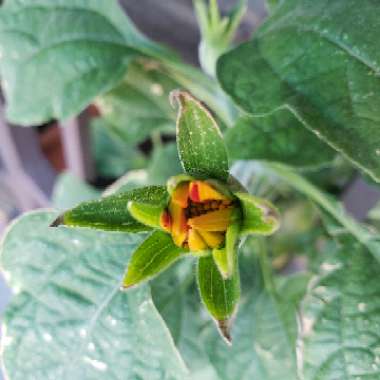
139, 105
57, 55
111, 213
68, 319
155, 254
200, 144
276, 137
341, 317
321, 61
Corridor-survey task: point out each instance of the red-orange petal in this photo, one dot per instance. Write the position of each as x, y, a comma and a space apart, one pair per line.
201, 191
212, 221
166, 221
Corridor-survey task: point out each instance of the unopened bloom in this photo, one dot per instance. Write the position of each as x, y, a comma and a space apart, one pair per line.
201, 213
198, 215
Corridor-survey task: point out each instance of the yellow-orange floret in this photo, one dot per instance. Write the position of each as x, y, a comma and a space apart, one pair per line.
197, 216
195, 241
212, 221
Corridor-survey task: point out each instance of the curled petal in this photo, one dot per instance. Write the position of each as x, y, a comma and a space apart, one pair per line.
213, 221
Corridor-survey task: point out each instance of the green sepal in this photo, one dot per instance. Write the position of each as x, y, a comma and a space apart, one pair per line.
220, 296
173, 182
200, 144
224, 257
204, 253
221, 261
259, 216
111, 213
146, 214
154, 255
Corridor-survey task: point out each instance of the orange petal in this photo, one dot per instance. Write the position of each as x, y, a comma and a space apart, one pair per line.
201, 191
166, 221
179, 225
180, 195
212, 221
212, 239
196, 243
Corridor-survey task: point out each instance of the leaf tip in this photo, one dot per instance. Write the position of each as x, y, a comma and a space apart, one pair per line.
224, 327
177, 97
127, 285
58, 221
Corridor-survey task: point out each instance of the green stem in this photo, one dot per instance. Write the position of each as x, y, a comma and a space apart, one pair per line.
266, 268
156, 139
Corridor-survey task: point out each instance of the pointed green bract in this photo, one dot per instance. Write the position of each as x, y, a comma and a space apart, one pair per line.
232, 237
200, 143
146, 214
153, 256
111, 213
221, 261
259, 215
220, 296
225, 258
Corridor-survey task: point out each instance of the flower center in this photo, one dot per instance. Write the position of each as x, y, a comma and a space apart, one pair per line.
198, 216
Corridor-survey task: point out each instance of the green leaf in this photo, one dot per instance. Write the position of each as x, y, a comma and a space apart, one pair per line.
68, 320
276, 137
309, 59
113, 156
341, 316
200, 144
111, 213
58, 55
272, 4
69, 191
220, 296
139, 105
152, 257
259, 215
